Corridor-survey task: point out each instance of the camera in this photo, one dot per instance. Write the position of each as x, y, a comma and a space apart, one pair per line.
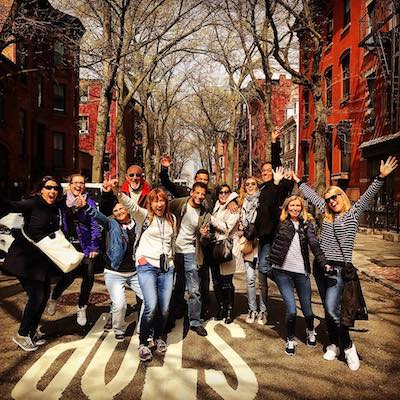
164, 265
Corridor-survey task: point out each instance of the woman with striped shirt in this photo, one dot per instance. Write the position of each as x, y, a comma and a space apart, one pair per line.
338, 233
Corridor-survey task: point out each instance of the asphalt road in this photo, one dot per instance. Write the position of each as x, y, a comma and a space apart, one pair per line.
239, 361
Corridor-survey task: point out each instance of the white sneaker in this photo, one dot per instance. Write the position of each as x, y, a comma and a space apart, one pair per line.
51, 306
331, 353
81, 316
311, 338
290, 348
251, 317
352, 359
262, 318
25, 342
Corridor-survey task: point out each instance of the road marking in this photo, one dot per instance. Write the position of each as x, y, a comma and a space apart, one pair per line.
247, 382
170, 381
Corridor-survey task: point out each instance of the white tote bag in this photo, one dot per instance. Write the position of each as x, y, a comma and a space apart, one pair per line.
59, 250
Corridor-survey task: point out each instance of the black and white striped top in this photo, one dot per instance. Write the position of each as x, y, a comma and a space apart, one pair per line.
345, 225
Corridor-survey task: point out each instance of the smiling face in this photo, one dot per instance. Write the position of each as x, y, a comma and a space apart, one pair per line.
201, 177
158, 206
294, 209
197, 196
77, 185
50, 192
266, 172
223, 194
134, 176
250, 186
120, 213
335, 202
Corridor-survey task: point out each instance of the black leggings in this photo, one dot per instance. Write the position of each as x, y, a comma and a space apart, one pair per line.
86, 269
38, 293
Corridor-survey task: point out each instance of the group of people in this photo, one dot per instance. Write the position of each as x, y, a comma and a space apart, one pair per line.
161, 247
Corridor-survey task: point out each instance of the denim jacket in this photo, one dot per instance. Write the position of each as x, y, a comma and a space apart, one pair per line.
117, 237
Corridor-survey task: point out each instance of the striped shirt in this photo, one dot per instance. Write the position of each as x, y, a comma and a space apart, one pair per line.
294, 258
345, 225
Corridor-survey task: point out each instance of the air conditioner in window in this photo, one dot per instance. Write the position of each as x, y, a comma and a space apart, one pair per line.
84, 99
83, 131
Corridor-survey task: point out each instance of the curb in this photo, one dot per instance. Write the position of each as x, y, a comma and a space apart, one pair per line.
363, 263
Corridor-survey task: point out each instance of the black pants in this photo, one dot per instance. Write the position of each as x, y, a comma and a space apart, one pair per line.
38, 293
86, 269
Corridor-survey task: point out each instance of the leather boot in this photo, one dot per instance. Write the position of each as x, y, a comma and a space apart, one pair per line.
230, 297
221, 312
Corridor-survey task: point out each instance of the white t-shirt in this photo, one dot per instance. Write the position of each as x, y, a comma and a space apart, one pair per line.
294, 259
185, 242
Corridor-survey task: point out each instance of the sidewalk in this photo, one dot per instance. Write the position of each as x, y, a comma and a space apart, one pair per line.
378, 259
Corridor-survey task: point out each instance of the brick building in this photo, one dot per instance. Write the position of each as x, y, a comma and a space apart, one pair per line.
360, 70
88, 107
38, 95
284, 107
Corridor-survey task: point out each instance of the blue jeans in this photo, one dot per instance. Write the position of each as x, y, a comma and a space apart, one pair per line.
330, 289
251, 273
264, 267
287, 281
193, 286
157, 289
116, 288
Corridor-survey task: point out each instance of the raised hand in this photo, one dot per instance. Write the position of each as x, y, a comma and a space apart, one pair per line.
278, 175
106, 182
80, 201
388, 167
275, 135
114, 185
165, 160
295, 177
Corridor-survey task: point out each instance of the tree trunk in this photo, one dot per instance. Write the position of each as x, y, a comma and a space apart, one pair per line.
320, 145
120, 133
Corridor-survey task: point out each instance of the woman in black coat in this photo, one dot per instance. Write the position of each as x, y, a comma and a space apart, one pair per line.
41, 213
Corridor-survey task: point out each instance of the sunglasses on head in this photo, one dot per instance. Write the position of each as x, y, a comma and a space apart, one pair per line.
333, 197
49, 187
224, 192
135, 175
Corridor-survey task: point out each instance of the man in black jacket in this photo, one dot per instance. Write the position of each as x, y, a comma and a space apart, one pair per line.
271, 199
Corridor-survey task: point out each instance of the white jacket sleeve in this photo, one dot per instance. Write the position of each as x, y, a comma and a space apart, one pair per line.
134, 209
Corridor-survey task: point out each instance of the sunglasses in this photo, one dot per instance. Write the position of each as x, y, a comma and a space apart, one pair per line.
135, 175
224, 192
333, 197
49, 187
251, 184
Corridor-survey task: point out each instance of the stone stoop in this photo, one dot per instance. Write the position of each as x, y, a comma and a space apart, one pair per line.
385, 235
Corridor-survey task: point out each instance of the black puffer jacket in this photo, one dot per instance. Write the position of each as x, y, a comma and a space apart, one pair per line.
284, 238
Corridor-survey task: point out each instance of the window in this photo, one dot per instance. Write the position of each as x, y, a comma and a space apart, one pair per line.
59, 97
106, 162
292, 138
346, 75
289, 112
328, 87
344, 134
83, 124
328, 146
108, 130
346, 12
84, 93
58, 150
329, 28
59, 51
305, 156
370, 112
22, 132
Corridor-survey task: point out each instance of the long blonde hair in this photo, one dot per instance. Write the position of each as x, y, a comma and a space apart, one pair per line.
329, 213
242, 190
304, 214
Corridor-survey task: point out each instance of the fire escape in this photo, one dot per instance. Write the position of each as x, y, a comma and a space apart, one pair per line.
380, 34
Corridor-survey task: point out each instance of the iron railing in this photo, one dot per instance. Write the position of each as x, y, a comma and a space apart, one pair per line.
383, 217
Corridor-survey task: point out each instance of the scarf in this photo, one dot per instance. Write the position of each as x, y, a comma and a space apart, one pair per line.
249, 209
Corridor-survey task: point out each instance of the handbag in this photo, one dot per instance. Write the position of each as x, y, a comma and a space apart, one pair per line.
58, 249
246, 246
222, 251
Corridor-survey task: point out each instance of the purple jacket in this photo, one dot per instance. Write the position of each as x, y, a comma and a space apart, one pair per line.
87, 229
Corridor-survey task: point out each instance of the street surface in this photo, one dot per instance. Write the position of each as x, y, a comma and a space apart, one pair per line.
237, 361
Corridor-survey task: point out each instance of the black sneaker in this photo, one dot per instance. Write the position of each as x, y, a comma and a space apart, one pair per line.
119, 337
108, 324
199, 330
290, 348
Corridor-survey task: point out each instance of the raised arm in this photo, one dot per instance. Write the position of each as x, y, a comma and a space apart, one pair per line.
175, 189
97, 215
7, 206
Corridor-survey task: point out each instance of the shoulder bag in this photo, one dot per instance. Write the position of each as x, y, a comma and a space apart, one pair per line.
58, 249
